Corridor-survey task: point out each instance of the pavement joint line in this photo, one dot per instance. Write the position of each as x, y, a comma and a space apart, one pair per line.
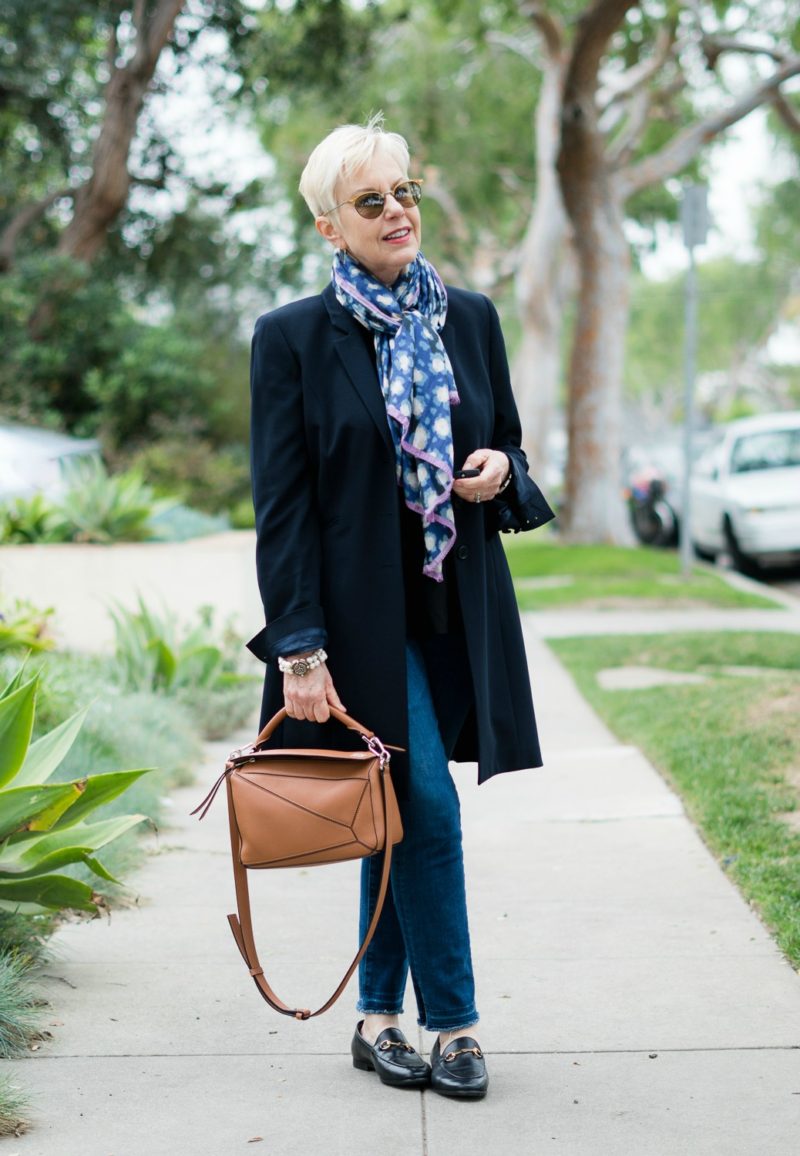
424, 1120
732, 1049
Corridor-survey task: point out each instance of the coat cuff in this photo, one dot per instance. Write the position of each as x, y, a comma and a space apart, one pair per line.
270, 642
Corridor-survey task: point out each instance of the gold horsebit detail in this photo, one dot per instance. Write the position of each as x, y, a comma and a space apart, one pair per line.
384, 1047
463, 1052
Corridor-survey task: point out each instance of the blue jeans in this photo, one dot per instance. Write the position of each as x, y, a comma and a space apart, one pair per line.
424, 920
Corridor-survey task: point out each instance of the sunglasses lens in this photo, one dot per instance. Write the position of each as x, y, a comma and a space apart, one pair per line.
408, 193
371, 205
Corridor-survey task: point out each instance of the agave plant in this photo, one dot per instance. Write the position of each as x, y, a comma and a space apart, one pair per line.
101, 508
31, 519
43, 825
23, 626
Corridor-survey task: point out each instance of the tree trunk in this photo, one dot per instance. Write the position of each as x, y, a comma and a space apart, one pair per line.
594, 510
99, 202
102, 198
542, 281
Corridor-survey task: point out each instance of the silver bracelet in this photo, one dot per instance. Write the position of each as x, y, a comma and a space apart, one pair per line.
301, 666
507, 481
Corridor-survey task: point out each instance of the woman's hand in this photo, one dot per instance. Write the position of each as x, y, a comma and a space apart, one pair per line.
494, 466
310, 696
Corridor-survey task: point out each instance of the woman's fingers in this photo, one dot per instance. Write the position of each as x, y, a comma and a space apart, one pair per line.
311, 695
494, 466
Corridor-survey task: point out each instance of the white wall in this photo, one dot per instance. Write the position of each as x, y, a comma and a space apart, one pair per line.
80, 582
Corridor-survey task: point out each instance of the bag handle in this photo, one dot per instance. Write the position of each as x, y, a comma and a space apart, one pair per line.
241, 923
351, 723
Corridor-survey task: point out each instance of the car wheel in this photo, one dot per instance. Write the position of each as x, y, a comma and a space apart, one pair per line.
741, 561
702, 553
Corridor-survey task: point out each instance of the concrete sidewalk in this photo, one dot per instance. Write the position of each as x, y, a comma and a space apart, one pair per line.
632, 1004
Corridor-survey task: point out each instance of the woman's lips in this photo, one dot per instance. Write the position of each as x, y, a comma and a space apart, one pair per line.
397, 236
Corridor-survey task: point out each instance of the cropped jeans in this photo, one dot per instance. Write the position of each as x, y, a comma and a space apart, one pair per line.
423, 926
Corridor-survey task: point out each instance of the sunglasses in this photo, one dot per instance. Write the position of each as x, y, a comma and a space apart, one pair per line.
407, 193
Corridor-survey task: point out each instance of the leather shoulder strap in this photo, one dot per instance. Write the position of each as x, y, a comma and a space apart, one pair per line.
242, 923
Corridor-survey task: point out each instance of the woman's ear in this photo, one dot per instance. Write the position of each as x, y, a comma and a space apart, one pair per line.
326, 228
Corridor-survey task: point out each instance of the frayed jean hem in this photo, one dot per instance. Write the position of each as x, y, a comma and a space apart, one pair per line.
469, 1021
367, 1009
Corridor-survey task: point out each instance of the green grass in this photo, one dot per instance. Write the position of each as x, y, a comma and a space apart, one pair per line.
730, 747
612, 576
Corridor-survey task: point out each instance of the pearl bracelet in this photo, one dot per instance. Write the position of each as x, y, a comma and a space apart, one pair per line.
301, 666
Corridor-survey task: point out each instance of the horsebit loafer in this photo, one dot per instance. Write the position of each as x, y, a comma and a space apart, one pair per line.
392, 1057
460, 1070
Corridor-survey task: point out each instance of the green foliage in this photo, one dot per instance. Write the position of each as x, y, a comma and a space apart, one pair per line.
31, 519
728, 746
464, 104
193, 469
738, 306
14, 1104
154, 654
20, 1010
101, 508
43, 825
23, 626
96, 507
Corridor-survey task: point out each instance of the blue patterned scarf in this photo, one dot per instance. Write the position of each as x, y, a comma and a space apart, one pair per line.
417, 383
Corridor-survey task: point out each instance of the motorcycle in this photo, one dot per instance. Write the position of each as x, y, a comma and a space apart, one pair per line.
654, 520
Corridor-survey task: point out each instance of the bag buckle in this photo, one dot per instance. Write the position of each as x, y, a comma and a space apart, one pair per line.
378, 749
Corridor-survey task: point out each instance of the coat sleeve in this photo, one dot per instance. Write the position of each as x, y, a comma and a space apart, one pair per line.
523, 505
287, 517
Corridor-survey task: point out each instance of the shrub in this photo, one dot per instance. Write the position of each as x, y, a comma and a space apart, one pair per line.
153, 653
20, 1012
210, 478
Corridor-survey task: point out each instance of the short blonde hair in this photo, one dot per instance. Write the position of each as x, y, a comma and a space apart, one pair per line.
344, 151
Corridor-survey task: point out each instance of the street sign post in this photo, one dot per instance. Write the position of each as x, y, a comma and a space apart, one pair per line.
694, 223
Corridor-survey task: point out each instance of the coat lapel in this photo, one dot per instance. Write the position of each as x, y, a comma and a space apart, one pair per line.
349, 344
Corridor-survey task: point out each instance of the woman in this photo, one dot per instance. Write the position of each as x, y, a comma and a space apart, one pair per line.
381, 571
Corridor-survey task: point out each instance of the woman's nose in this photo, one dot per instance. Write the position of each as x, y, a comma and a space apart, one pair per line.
391, 206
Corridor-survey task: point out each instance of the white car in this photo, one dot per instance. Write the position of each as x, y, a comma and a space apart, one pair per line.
745, 492
33, 459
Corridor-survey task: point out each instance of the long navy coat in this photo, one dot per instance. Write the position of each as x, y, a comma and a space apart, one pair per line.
328, 532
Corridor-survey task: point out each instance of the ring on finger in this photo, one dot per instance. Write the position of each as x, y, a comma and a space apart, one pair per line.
478, 496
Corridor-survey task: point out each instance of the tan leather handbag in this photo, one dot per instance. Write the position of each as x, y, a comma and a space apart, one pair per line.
299, 808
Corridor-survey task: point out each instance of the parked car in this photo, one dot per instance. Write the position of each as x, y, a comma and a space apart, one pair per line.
745, 493
33, 459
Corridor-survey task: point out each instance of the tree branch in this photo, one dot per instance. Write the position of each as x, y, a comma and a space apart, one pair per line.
675, 155
595, 28
787, 112
23, 220
713, 47
637, 76
151, 39
513, 43
548, 25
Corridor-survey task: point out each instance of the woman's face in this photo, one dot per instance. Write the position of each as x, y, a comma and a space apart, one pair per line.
386, 245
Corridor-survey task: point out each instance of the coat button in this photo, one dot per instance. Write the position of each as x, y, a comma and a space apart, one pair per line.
462, 552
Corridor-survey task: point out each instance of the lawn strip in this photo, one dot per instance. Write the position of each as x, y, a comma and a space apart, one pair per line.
610, 575
730, 747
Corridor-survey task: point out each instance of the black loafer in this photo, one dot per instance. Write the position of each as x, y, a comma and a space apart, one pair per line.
460, 1071
392, 1057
